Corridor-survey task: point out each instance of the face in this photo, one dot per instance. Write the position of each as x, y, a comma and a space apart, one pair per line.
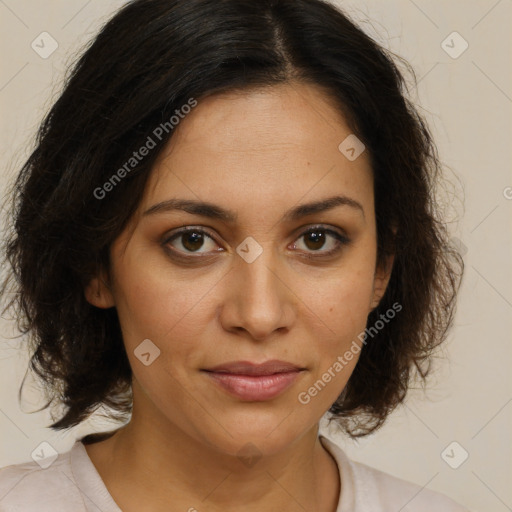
253, 276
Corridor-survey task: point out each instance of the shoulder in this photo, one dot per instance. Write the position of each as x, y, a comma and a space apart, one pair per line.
401, 494
30, 486
368, 489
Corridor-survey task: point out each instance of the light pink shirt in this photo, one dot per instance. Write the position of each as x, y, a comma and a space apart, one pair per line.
72, 484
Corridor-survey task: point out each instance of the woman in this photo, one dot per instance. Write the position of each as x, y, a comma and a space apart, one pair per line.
227, 230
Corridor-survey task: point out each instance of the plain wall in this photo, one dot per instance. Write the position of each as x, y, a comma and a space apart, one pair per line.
468, 103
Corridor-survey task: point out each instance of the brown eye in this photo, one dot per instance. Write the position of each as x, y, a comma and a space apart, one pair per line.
325, 242
191, 240
314, 240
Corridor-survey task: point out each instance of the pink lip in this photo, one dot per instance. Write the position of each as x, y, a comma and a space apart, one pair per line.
255, 382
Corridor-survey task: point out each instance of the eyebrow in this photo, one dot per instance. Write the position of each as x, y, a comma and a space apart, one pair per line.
212, 211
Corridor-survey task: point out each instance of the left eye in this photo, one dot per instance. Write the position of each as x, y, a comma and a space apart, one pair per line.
316, 238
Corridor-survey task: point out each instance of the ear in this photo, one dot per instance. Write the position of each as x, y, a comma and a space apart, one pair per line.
381, 280
98, 293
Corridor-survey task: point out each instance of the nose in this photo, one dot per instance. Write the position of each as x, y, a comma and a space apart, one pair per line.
259, 301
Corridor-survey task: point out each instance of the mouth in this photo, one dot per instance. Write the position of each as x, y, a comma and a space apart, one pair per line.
255, 382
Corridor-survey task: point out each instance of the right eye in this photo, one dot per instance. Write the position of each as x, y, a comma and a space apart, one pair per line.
190, 240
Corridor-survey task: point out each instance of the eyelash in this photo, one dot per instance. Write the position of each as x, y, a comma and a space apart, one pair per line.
342, 241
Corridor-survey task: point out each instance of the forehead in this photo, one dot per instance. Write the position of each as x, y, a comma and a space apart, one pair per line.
277, 143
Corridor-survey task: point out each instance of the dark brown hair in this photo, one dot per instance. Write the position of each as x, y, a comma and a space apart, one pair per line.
148, 61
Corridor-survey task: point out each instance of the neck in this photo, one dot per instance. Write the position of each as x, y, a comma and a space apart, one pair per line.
148, 465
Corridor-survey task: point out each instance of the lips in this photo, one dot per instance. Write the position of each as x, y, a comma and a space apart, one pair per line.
255, 382
248, 368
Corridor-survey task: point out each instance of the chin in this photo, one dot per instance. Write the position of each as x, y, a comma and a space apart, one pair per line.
257, 434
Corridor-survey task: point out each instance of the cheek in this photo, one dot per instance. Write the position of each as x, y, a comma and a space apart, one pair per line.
337, 344
154, 305
351, 308
169, 313
342, 302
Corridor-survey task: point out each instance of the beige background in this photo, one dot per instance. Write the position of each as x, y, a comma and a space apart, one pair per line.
468, 102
